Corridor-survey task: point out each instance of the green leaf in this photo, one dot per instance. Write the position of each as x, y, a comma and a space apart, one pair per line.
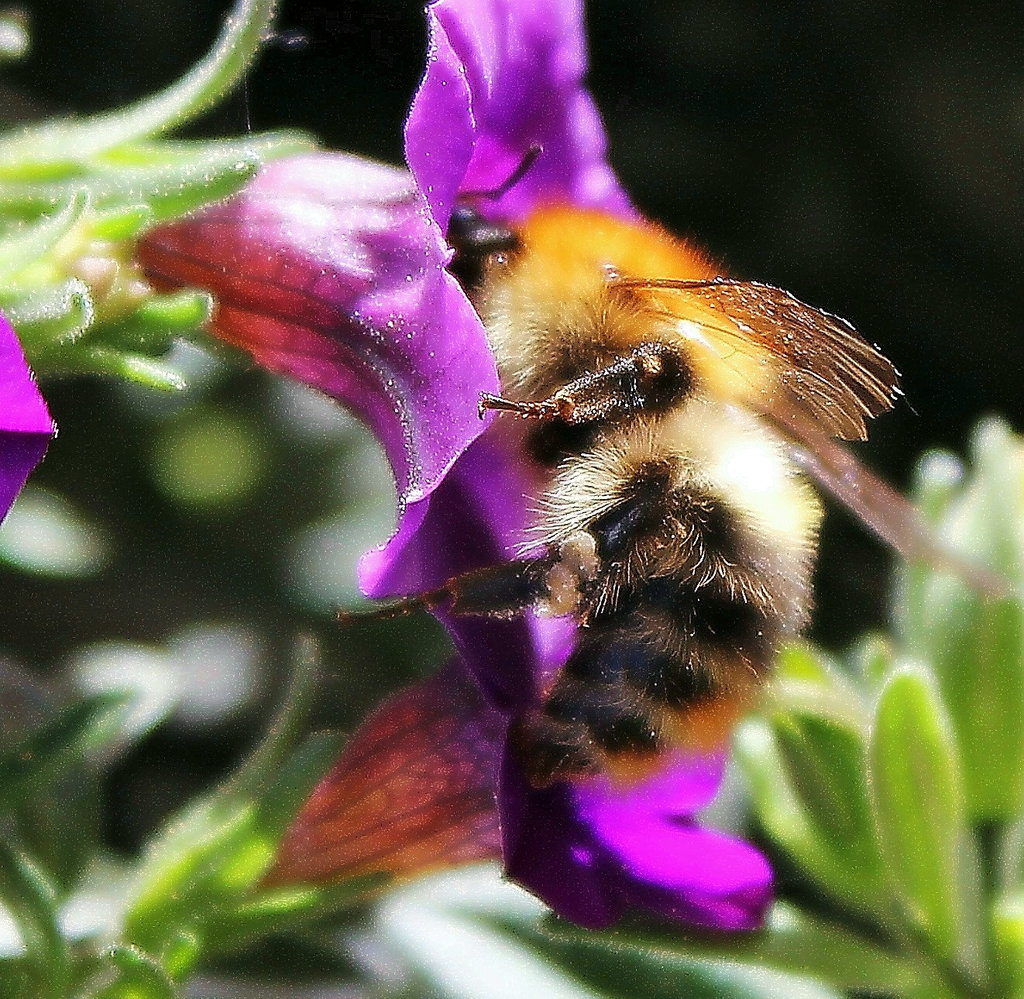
50, 796
121, 222
283, 731
130, 348
60, 826
203, 875
138, 976
826, 763
274, 911
1008, 939
792, 942
167, 316
25, 244
131, 367
919, 808
14, 979
181, 877
56, 144
807, 682
168, 178
871, 659
804, 829
469, 935
31, 900
41, 756
49, 318
975, 642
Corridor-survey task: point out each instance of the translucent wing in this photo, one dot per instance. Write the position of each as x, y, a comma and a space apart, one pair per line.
789, 357
880, 507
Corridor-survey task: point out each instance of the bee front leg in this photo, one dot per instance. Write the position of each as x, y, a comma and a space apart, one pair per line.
650, 378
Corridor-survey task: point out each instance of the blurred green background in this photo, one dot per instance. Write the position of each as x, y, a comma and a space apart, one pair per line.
866, 156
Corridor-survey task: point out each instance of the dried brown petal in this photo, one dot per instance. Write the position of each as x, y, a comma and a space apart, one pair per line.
414, 789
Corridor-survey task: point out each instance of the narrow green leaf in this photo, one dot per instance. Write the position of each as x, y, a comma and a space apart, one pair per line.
131, 367
130, 348
168, 178
919, 809
470, 935
26, 243
48, 319
60, 825
31, 900
801, 662
808, 683
175, 312
14, 979
178, 877
280, 910
180, 955
120, 223
59, 142
289, 719
202, 875
792, 942
651, 973
45, 752
139, 976
975, 642
872, 658
826, 763
938, 479
295, 781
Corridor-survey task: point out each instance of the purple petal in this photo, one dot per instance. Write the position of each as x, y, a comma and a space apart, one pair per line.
25, 423
670, 865
550, 853
699, 876
476, 518
329, 268
684, 783
592, 850
503, 75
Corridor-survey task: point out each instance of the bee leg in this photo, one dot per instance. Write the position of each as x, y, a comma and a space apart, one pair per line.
496, 591
652, 377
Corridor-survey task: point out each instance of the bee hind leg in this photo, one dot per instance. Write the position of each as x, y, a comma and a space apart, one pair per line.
502, 591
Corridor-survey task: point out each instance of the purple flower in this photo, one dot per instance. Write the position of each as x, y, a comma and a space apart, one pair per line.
333, 270
25, 424
330, 268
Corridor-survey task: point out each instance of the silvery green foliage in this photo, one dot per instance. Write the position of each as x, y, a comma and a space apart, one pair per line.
75, 194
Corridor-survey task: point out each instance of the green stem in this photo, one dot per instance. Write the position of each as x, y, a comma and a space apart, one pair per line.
62, 142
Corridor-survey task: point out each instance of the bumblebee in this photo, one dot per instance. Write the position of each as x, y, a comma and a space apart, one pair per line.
678, 415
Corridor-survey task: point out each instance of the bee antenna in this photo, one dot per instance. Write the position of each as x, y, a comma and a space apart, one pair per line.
529, 158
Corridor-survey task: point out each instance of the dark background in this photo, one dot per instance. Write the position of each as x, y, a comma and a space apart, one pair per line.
866, 156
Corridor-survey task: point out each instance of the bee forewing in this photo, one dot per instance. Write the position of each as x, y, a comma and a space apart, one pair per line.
891, 516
